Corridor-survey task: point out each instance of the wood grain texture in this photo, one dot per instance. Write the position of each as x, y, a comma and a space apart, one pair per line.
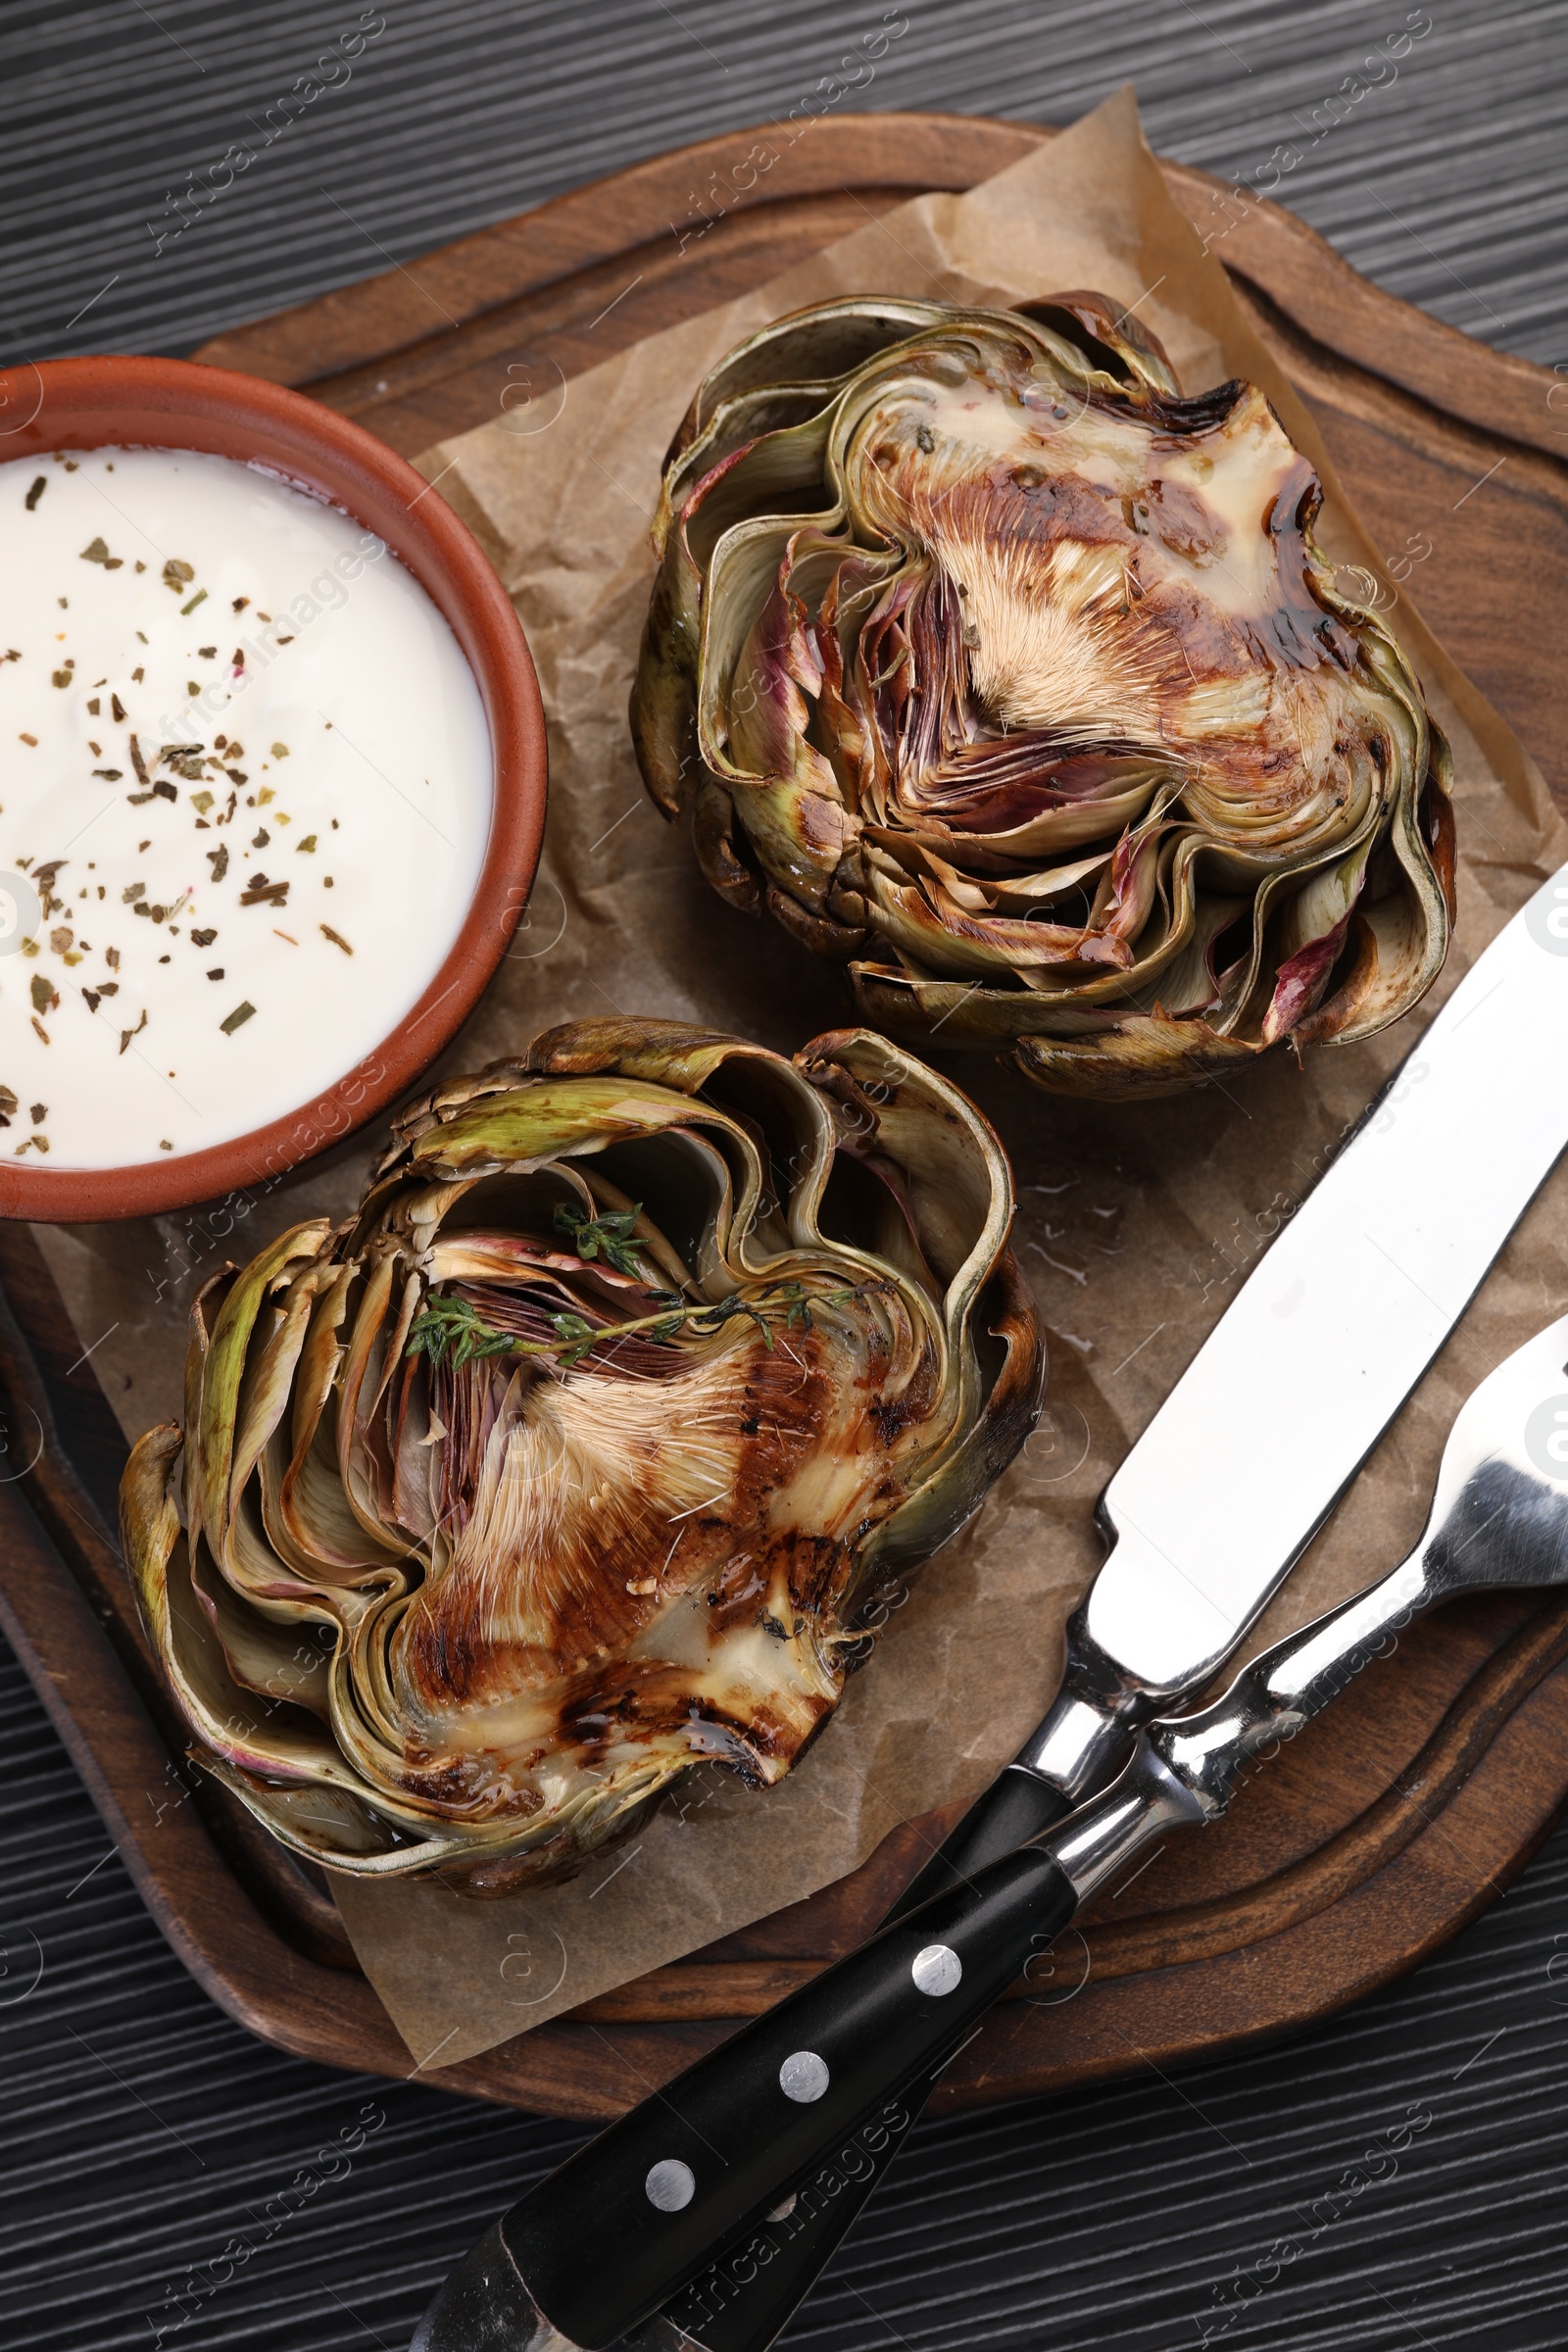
1378, 1834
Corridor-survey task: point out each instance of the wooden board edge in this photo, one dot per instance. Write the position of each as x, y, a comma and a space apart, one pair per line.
1439, 1884
1290, 262
564, 234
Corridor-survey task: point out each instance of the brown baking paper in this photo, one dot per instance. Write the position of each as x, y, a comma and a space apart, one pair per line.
1136, 1222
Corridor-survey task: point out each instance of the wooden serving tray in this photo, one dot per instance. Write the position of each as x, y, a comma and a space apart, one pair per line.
1381, 1830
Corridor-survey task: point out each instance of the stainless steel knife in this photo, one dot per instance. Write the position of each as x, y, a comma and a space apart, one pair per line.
1296, 1384
1279, 1406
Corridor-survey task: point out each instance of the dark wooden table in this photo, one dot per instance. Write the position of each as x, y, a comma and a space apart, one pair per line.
1389, 2179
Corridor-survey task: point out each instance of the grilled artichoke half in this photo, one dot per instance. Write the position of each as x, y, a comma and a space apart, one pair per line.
993, 664
579, 1455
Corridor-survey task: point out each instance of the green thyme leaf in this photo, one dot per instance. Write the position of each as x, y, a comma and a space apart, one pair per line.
452, 1331
607, 1236
578, 1334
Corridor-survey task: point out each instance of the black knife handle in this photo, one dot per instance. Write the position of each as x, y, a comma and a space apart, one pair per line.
747, 2296
483, 2305
741, 2301
617, 2229
1017, 1806
744, 2300
744, 2297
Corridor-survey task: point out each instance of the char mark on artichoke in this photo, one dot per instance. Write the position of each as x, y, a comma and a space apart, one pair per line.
578, 1455
991, 664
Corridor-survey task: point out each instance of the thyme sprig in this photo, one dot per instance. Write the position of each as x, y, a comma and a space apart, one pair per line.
452, 1330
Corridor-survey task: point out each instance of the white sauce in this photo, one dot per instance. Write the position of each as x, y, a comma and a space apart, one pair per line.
343, 753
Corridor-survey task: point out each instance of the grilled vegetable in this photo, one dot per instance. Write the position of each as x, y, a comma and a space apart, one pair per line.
580, 1453
991, 664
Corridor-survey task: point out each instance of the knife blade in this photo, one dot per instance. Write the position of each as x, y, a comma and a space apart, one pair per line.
757, 2118
1297, 1381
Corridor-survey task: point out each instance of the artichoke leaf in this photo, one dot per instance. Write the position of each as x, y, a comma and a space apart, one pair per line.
751, 725
281, 1661
954, 1172
230, 1719
773, 467
732, 429
223, 1364
828, 341
1143, 1056
544, 1120
1311, 935
267, 1387
944, 1503
319, 1823
664, 1053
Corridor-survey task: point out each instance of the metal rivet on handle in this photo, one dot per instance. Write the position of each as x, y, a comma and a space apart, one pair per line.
937, 1970
803, 2076
670, 2184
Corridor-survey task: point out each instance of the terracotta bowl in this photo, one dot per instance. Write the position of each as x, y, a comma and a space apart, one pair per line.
173, 404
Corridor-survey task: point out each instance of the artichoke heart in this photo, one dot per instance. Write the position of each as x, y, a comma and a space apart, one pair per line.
988, 662
578, 1455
